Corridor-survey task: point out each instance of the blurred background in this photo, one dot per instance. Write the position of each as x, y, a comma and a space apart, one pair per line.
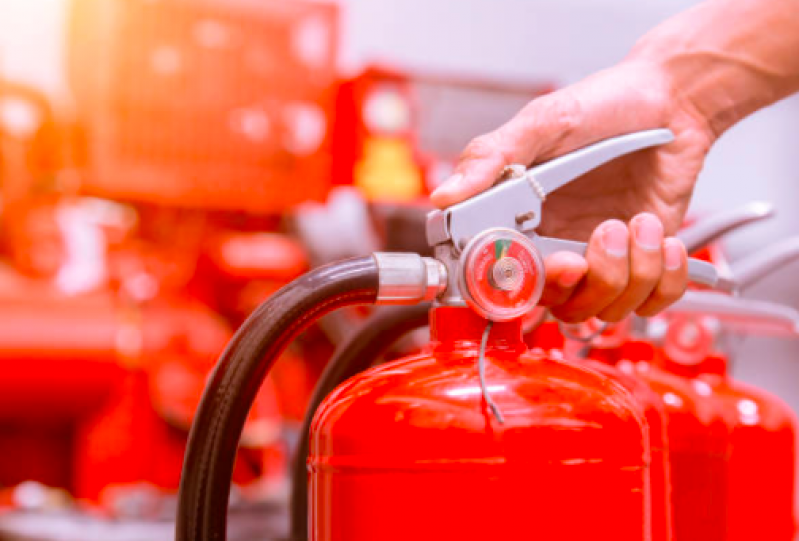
167, 164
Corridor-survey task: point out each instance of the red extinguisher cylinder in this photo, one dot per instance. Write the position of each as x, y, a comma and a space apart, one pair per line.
762, 432
410, 450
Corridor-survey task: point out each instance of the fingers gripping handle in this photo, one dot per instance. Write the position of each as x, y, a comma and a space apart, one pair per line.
699, 272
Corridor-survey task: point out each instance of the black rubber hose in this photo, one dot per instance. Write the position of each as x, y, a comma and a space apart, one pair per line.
355, 355
216, 430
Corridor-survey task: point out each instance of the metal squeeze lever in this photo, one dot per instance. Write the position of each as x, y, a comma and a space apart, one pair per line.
719, 224
741, 314
510, 212
744, 314
753, 268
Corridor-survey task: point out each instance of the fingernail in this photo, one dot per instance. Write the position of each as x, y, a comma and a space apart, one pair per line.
615, 239
569, 278
648, 232
672, 254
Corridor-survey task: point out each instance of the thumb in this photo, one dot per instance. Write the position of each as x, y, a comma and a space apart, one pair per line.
537, 129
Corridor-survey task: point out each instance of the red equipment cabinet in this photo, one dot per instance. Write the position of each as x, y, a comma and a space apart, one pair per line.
241, 95
414, 438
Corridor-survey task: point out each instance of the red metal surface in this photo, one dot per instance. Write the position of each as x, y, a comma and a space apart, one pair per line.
413, 438
58, 355
697, 436
762, 463
547, 337
762, 458
761, 431
698, 450
659, 470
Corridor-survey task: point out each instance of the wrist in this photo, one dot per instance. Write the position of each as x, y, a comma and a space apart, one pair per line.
689, 81
722, 73
678, 107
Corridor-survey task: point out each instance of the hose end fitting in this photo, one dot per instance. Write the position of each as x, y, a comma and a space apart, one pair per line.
406, 278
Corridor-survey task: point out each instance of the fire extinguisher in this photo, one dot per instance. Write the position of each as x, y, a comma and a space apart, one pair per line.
698, 443
761, 428
476, 437
696, 416
366, 345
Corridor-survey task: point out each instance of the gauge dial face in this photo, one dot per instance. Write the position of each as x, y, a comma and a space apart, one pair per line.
502, 274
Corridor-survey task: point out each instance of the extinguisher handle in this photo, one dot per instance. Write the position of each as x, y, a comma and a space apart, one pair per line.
757, 266
746, 315
719, 224
699, 272
516, 203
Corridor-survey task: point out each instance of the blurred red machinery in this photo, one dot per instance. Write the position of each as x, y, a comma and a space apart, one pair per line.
198, 117
205, 104
397, 134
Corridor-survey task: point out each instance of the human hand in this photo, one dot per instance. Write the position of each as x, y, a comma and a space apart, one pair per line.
630, 265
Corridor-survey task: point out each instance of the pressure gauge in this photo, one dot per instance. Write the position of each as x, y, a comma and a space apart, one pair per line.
502, 274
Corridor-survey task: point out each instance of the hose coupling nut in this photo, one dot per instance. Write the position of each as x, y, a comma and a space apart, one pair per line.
406, 278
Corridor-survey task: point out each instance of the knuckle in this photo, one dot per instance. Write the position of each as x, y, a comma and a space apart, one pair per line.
671, 291
648, 274
612, 315
661, 298
654, 306
562, 110
568, 113
648, 310
483, 146
569, 315
613, 283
